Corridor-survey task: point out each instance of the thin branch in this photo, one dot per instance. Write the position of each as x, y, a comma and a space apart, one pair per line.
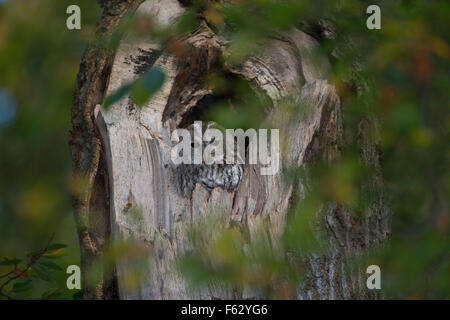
31, 262
7, 274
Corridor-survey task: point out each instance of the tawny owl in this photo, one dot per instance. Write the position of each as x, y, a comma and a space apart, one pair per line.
225, 176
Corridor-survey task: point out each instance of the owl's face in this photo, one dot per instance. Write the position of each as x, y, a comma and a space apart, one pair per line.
210, 176
198, 139
221, 143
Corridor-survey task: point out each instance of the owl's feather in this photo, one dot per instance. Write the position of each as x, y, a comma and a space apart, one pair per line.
225, 176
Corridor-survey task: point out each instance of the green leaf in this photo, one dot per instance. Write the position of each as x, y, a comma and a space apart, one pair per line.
32, 253
144, 88
50, 265
54, 254
10, 262
51, 293
22, 286
56, 246
187, 22
154, 80
117, 95
78, 295
42, 273
141, 90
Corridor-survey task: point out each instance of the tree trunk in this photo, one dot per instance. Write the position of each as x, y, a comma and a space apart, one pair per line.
134, 187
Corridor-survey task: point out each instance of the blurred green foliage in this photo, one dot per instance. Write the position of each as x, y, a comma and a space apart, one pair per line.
38, 266
141, 90
39, 60
406, 64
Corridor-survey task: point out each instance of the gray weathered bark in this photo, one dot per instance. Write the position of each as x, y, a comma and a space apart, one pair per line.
125, 152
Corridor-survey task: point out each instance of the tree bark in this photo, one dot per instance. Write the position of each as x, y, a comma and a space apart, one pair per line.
90, 191
134, 188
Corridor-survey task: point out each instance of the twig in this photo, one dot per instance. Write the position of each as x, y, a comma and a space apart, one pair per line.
31, 262
7, 274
